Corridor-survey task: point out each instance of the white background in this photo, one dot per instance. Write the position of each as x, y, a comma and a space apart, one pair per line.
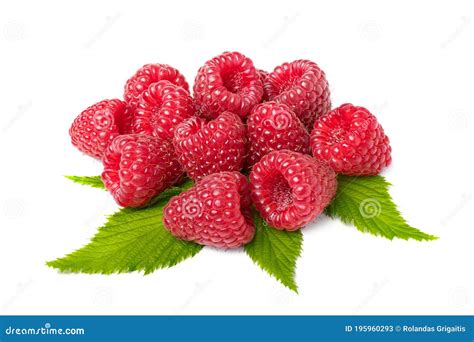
410, 63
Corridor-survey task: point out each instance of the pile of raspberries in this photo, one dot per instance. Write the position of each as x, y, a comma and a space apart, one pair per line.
276, 127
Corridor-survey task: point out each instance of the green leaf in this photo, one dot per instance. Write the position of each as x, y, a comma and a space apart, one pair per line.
131, 240
276, 251
93, 181
366, 203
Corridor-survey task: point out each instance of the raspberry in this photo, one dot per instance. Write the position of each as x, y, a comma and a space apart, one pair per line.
148, 74
291, 189
272, 126
227, 82
263, 75
126, 120
351, 141
205, 148
161, 108
215, 212
94, 129
138, 167
302, 86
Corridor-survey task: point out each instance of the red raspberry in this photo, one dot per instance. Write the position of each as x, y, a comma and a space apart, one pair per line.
148, 74
138, 167
215, 212
205, 148
94, 129
272, 126
227, 82
302, 86
351, 141
161, 108
263, 75
291, 189
126, 120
